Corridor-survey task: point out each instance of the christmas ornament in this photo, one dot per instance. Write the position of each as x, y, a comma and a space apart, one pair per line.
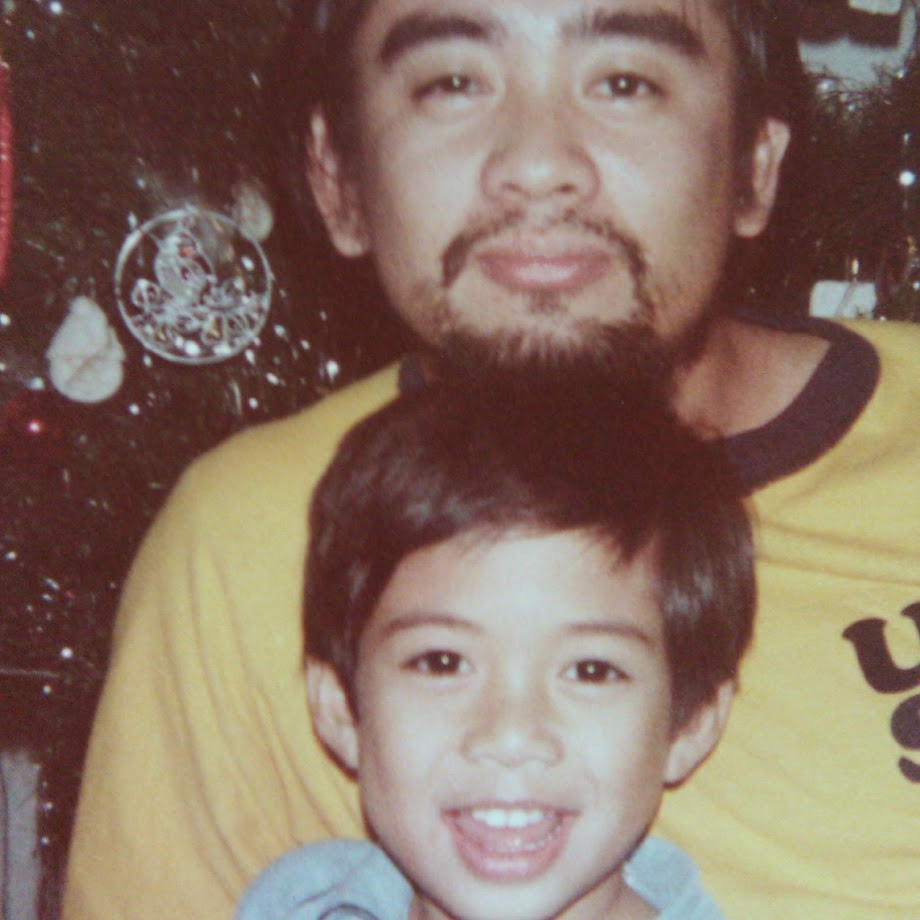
848, 299
251, 209
878, 7
193, 286
85, 357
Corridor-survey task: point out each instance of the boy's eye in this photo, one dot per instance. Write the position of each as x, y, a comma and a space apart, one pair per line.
593, 671
439, 663
625, 85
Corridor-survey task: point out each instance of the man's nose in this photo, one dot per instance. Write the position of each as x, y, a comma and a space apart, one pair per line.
537, 157
513, 728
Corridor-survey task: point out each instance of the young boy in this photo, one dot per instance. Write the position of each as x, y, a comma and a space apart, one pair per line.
523, 622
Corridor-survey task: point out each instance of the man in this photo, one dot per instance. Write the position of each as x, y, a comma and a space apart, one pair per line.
546, 182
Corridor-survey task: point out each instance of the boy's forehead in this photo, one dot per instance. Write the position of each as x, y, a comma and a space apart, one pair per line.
512, 563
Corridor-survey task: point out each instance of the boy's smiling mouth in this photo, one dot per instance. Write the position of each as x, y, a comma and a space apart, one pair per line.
507, 842
519, 818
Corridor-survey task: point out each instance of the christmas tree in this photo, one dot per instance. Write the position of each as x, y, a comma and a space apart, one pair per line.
122, 115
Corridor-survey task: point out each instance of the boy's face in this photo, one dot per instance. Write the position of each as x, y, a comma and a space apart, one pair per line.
513, 737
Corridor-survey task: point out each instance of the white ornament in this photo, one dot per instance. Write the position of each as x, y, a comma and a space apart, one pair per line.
193, 286
85, 358
882, 7
251, 209
846, 299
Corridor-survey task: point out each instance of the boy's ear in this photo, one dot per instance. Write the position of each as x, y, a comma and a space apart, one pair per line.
757, 198
333, 720
335, 194
695, 741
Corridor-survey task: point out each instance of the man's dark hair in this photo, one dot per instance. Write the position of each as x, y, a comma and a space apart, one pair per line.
317, 71
452, 460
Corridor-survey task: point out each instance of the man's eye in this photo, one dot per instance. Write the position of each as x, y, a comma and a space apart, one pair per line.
626, 86
439, 663
593, 671
454, 84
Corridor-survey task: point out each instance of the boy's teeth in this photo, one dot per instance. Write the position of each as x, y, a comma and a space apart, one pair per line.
514, 818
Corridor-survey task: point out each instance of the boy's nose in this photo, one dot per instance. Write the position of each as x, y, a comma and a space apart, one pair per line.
537, 158
512, 730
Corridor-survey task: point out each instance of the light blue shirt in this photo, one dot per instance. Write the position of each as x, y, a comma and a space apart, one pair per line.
354, 880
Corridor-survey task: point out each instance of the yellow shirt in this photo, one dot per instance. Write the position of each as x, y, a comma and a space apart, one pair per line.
203, 767
810, 807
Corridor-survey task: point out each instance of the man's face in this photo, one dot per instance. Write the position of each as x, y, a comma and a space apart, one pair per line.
527, 170
513, 731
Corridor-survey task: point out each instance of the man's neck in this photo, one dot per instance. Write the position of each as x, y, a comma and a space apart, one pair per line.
745, 376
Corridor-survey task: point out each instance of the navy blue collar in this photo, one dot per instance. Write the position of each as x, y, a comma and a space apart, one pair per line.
822, 413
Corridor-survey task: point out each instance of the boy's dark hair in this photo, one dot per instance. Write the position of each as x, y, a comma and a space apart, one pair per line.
475, 459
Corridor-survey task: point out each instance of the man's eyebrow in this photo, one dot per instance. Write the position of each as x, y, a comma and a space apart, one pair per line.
659, 26
424, 27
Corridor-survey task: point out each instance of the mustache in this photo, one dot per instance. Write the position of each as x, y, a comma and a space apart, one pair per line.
457, 253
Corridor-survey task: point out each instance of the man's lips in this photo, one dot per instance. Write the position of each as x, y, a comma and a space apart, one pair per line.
526, 268
509, 843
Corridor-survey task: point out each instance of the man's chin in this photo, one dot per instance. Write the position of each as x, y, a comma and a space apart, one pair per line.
627, 356
525, 344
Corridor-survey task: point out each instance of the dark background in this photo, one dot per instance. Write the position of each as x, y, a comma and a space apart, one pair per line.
122, 111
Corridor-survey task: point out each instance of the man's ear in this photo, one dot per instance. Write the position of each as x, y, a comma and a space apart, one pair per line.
757, 197
336, 196
333, 719
695, 741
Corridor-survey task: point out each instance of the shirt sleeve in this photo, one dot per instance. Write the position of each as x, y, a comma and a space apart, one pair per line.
666, 877
202, 765
334, 880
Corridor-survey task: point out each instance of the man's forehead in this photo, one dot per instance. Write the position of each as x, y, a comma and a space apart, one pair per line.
389, 22
541, 9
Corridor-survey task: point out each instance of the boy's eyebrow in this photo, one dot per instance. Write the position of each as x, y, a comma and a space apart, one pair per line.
661, 27
406, 621
422, 618
423, 27
615, 628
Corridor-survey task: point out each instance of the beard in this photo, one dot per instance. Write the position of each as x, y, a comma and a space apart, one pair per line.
626, 359
553, 346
